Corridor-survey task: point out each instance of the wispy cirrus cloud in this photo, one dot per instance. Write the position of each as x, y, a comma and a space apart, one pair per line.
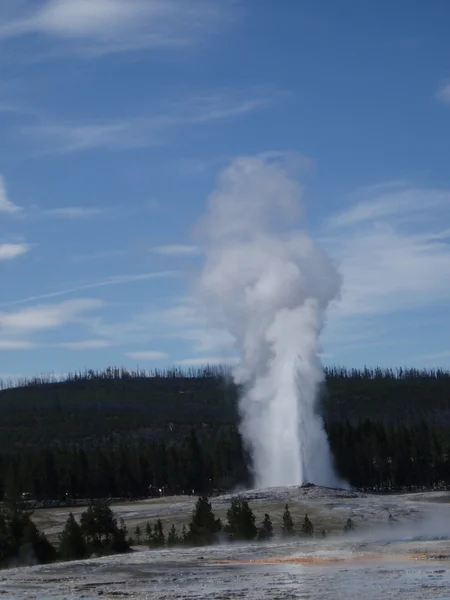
203, 361
86, 345
391, 200
393, 252
113, 280
45, 316
73, 212
6, 205
92, 28
183, 323
147, 355
443, 94
11, 251
176, 250
146, 131
18, 327
6, 344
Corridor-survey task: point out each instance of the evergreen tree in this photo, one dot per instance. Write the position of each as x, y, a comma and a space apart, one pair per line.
72, 545
120, 542
20, 538
137, 534
241, 521
44, 552
307, 527
287, 527
98, 522
148, 533
172, 538
158, 539
184, 535
204, 526
265, 532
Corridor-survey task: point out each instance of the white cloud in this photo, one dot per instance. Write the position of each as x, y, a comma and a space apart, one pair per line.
97, 27
183, 322
11, 251
114, 280
432, 357
443, 94
176, 250
200, 361
392, 202
147, 355
16, 344
45, 316
86, 345
73, 212
147, 132
6, 206
205, 339
394, 253
385, 270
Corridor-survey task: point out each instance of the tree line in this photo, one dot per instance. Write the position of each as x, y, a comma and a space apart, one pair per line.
367, 455
100, 408
98, 532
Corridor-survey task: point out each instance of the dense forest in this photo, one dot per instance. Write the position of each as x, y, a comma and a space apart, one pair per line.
131, 434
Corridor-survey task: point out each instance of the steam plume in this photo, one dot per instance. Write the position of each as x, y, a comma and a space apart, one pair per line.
269, 286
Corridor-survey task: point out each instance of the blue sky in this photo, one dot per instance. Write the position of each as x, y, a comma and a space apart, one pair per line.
116, 117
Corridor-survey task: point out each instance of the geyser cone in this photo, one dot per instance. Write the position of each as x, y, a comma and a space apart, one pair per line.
269, 287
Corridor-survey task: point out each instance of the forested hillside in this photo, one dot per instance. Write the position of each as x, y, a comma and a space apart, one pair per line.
119, 432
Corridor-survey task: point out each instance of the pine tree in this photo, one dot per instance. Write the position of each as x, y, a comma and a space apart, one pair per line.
307, 527
204, 526
265, 532
137, 534
120, 542
72, 545
184, 535
241, 520
148, 533
287, 527
157, 539
172, 538
98, 522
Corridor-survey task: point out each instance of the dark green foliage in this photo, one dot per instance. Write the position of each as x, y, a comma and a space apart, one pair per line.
204, 526
72, 544
184, 539
148, 532
172, 538
100, 529
128, 434
240, 521
98, 522
265, 532
120, 541
157, 538
307, 527
287, 526
349, 526
137, 534
20, 540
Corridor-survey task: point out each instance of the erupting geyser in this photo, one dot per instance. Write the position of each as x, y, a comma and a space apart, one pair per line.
269, 286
